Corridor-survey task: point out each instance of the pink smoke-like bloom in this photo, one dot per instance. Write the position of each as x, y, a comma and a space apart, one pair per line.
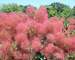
24, 34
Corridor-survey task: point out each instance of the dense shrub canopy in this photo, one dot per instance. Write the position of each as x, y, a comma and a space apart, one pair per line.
33, 36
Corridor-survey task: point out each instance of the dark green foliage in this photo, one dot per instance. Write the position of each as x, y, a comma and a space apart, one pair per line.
59, 10
39, 56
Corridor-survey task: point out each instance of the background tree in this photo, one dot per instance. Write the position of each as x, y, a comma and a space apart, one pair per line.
58, 9
12, 8
66, 12
54, 9
73, 11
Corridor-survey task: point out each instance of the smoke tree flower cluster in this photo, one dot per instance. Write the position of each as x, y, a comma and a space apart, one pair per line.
22, 35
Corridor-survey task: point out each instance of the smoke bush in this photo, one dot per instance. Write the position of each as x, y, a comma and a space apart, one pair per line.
23, 35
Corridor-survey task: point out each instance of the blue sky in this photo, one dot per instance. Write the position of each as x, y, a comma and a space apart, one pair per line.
37, 3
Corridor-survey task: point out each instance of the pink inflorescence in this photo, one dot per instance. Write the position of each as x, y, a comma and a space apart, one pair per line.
22, 35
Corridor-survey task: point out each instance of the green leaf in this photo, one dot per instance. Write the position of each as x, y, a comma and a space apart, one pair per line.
66, 23
70, 56
39, 56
